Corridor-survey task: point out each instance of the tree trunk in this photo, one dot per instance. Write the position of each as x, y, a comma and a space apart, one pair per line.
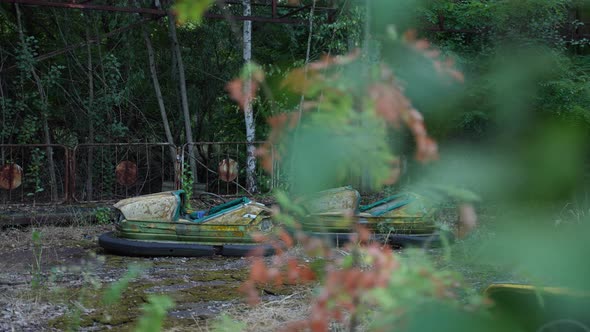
156, 82
248, 111
90, 140
44, 101
183, 95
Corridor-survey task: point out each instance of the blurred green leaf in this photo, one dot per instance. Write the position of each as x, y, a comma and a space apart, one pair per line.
191, 10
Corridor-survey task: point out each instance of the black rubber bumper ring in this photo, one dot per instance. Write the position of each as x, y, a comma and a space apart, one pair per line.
129, 247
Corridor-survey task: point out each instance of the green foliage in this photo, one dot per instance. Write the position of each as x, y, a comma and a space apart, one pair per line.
191, 10
29, 130
330, 148
25, 57
113, 293
188, 182
34, 172
414, 294
103, 215
516, 132
341, 36
154, 313
36, 271
495, 30
224, 323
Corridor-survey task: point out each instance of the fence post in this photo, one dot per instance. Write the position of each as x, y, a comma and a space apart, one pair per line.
178, 166
67, 178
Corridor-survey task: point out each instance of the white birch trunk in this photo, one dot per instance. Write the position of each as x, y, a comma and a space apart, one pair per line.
248, 111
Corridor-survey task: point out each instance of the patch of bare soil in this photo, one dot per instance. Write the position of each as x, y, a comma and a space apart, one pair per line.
75, 273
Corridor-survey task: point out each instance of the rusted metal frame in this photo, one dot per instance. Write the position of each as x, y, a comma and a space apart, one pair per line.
275, 6
253, 19
116, 145
272, 4
86, 6
293, 12
228, 169
238, 175
237, 143
149, 11
178, 168
67, 177
224, 143
65, 180
116, 158
22, 188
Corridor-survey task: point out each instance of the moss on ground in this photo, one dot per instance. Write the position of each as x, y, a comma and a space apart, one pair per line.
124, 311
203, 286
220, 275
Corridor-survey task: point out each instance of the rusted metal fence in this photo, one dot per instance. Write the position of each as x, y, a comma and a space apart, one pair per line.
52, 174
113, 171
34, 173
220, 167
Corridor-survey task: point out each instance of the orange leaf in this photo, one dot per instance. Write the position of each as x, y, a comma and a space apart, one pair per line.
237, 93
249, 289
422, 44
259, 237
410, 35
395, 172
327, 61
259, 272
389, 102
319, 323
467, 219
363, 233
266, 157
286, 238
427, 149
457, 75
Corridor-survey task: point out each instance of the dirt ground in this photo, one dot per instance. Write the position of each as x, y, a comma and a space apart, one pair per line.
75, 271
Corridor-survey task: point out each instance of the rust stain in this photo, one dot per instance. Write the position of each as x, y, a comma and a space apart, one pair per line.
10, 176
126, 173
228, 170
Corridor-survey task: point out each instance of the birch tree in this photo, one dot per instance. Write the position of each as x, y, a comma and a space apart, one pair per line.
248, 111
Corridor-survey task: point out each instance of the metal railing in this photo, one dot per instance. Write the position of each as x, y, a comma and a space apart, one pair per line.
221, 167
54, 174
112, 171
34, 173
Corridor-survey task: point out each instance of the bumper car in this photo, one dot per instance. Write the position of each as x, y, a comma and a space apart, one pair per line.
540, 309
160, 225
404, 219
